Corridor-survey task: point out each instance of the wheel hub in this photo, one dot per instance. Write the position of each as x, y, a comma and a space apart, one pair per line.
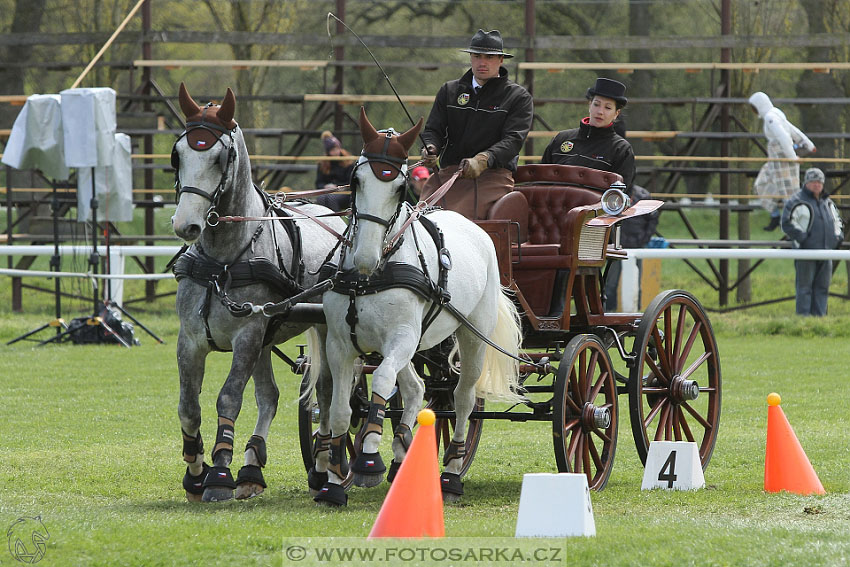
684, 390
592, 416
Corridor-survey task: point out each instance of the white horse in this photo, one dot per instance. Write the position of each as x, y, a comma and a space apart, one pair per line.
255, 262
386, 299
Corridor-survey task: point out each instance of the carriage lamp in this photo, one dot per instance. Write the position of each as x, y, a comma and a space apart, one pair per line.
615, 200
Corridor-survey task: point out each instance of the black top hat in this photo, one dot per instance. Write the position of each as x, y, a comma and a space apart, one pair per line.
609, 88
487, 43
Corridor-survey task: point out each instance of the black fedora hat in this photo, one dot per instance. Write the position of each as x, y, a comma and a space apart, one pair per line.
609, 88
487, 43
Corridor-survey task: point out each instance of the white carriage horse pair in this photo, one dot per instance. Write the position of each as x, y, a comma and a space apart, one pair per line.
213, 179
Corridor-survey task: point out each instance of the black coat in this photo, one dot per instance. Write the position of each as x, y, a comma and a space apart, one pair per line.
588, 146
497, 119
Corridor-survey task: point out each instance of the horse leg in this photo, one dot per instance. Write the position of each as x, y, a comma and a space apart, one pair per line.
317, 476
369, 467
219, 483
191, 362
472, 359
341, 363
250, 481
412, 391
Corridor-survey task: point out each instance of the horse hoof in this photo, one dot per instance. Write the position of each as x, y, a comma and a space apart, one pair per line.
332, 495
450, 498
368, 480
193, 497
248, 490
217, 494
368, 470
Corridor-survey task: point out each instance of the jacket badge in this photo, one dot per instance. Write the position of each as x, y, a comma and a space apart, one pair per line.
463, 99
566, 147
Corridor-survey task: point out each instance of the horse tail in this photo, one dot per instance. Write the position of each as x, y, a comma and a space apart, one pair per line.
314, 370
499, 380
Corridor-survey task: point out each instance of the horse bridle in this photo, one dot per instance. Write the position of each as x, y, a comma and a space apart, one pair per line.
226, 158
394, 163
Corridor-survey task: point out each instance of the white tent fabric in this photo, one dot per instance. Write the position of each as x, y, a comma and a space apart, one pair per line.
88, 122
36, 140
113, 186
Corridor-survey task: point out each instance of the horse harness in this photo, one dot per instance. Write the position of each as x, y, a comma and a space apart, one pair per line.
390, 274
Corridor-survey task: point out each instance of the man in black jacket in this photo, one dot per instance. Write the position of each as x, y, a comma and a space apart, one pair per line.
478, 123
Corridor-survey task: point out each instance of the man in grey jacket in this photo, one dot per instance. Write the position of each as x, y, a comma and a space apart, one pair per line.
811, 221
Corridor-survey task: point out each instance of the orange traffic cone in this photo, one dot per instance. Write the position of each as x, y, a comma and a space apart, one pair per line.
413, 507
786, 466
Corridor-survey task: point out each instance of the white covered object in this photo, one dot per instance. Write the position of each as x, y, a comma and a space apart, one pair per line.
555, 505
113, 186
36, 141
88, 121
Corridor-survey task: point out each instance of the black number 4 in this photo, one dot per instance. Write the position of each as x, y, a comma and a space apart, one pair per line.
668, 470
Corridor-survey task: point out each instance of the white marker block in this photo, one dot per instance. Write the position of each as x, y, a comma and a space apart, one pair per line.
555, 505
673, 465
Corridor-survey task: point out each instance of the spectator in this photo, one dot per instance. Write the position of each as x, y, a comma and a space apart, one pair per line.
479, 122
811, 221
418, 177
784, 140
333, 173
595, 143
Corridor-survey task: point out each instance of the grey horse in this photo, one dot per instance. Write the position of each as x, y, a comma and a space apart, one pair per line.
229, 268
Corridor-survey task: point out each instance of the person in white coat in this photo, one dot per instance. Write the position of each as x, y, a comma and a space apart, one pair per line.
784, 140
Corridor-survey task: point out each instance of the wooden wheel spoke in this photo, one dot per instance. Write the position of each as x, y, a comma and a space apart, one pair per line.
578, 456
663, 423
685, 428
594, 453
585, 454
669, 338
677, 432
697, 363
601, 434
666, 369
571, 424
652, 413
569, 399
600, 382
680, 328
695, 332
702, 421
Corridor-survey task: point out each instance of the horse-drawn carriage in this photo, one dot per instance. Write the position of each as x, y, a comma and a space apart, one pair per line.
411, 286
552, 241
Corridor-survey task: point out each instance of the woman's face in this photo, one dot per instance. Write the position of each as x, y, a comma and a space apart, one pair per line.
334, 151
603, 111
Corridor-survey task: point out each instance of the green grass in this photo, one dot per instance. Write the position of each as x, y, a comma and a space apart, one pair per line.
92, 444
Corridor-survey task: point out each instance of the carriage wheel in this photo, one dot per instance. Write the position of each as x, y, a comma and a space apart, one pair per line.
674, 385
584, 411
307, 434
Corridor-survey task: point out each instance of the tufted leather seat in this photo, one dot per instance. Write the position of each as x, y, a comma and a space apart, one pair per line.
550, 192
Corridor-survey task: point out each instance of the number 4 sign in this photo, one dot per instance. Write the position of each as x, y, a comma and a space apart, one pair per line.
673, 465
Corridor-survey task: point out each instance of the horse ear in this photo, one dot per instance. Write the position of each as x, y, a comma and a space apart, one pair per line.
367, 131
406, 140
228, 107
187, 104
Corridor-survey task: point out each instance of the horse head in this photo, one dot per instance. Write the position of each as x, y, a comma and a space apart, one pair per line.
206, 159
378, 189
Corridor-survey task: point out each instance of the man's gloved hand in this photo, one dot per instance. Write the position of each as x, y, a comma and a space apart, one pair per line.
472, 167
429, 156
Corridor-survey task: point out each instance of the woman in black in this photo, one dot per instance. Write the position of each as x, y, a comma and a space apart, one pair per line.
595, 143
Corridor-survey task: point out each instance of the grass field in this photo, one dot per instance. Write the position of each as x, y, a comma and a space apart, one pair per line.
91, 444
